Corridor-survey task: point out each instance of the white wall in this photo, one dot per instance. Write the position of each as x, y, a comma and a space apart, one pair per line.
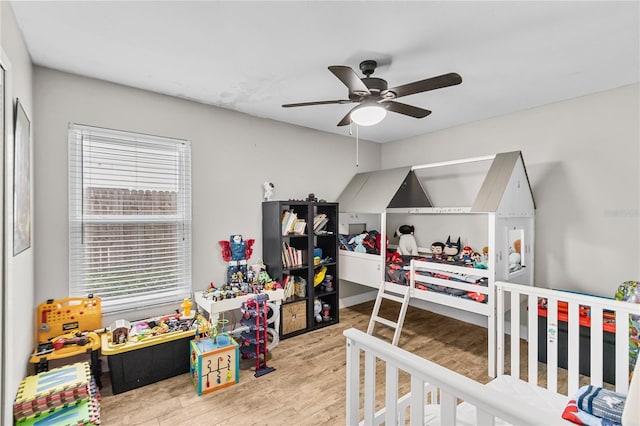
19, 298
232, 155
583, 161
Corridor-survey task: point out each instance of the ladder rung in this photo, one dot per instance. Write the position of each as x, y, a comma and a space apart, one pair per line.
392, 297
385, 322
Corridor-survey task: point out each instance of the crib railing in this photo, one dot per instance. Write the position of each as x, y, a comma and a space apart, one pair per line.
567, 309
429, 383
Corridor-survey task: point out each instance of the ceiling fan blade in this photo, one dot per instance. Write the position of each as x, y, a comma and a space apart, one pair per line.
350, 79
347, 118
444, 80
405, 109
338, 101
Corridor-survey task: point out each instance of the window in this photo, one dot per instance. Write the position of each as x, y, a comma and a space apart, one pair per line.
129, 217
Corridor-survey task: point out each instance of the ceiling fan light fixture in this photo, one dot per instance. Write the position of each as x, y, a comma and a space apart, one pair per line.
368, 115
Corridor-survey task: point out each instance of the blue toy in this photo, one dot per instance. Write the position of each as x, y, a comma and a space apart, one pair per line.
358, 240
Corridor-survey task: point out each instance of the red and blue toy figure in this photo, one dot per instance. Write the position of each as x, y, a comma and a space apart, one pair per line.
236, 252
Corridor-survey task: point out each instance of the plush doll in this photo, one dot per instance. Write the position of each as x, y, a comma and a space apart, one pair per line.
407, 244
515, 259
358, 240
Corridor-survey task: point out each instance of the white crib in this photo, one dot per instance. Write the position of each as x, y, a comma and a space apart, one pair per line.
435, 391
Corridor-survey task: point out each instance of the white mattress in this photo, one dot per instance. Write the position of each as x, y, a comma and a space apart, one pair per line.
532, 398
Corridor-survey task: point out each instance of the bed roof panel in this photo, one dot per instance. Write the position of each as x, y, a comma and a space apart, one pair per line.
505, 168
371, 192
505, 188
410, 194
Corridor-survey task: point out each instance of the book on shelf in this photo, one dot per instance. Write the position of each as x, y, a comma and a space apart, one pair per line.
291, 224
291, 257
319, 222
299, 227
289, 218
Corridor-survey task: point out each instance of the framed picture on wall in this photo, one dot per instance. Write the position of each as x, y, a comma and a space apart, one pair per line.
21, 182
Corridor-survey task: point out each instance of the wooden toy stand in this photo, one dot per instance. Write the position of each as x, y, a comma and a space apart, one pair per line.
64, 317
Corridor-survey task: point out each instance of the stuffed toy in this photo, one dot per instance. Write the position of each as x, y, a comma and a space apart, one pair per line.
515, 258
358, 240
407, 244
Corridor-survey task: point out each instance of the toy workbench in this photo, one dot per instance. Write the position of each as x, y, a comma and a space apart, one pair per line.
66, 328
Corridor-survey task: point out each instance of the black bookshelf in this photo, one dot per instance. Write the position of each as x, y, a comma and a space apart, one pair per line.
297, 312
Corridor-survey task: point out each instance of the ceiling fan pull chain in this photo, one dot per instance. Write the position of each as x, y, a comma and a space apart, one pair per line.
357, 145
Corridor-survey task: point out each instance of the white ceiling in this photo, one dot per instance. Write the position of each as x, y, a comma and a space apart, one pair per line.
253, 57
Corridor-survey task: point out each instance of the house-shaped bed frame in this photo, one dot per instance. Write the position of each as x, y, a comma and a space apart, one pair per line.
504, 199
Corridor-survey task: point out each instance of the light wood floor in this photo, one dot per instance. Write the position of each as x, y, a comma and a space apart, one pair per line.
308, 386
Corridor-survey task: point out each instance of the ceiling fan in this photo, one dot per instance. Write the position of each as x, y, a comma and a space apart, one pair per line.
375, 98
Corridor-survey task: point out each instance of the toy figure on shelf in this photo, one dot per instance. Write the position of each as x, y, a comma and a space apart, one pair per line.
478, 261
326, 310
268, 191
437, 249
407, 243
237, 251
451, 250
317, 310
466, 254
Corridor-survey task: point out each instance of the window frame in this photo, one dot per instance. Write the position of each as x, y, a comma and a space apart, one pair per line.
79, 219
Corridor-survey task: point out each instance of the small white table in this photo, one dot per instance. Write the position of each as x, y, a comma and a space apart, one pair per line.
215, 308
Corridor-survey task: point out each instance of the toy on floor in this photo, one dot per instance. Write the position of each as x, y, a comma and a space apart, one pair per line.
214, 364
407, 244
64, 395
255, 340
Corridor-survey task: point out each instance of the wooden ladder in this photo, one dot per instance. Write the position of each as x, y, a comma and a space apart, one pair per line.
399, 297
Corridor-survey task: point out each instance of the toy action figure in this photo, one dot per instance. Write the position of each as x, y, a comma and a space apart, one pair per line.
236, 251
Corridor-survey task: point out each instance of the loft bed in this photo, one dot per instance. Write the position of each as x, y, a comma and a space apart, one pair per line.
487, 197
526, 391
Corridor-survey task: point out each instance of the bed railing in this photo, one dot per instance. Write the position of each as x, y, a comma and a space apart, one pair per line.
428, 383
566, 313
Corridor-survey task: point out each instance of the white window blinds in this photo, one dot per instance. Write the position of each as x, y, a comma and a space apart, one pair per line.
129, 217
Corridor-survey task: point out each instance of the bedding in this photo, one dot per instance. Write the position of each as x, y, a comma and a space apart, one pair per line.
397, 271
370, 242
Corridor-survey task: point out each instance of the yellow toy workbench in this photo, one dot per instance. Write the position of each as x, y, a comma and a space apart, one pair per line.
66, 327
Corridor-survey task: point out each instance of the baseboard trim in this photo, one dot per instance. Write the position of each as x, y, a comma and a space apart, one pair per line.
357, 299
